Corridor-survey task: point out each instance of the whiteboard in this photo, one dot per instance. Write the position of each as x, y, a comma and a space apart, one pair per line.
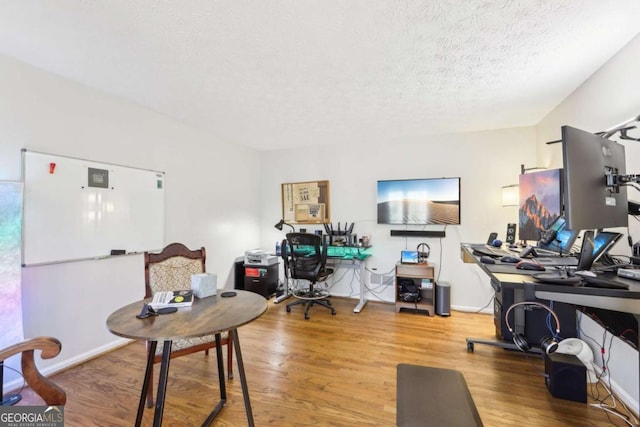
80, 209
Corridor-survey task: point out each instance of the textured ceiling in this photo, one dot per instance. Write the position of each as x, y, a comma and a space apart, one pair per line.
284, 73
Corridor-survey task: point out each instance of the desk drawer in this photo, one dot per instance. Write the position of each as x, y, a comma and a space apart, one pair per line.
414, 270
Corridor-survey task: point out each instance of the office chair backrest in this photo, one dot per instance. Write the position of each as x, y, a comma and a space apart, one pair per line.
304, 255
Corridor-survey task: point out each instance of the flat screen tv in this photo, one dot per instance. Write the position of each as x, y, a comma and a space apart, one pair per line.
540, 202
419, 201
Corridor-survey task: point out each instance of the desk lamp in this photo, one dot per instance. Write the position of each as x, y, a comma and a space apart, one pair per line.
281, 223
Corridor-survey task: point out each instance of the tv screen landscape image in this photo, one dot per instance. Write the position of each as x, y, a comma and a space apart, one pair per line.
419, 201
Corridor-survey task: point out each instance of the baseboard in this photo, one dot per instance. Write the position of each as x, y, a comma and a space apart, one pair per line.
15, 385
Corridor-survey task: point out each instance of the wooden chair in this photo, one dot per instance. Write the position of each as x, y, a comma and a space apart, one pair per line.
51, 393
171, 270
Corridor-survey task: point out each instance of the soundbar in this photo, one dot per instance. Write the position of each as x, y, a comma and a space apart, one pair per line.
418, 233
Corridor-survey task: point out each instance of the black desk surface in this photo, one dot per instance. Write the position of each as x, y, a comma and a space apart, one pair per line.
505, 275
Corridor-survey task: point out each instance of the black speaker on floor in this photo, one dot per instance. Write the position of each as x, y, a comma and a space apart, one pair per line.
511, 233
566, 377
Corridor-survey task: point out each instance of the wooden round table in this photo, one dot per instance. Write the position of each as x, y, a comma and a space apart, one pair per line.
206, 316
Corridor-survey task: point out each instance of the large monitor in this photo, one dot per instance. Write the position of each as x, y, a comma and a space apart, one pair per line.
540, 202
419, 201
589, 201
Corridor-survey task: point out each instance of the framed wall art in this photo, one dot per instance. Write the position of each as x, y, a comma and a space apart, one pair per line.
306, 202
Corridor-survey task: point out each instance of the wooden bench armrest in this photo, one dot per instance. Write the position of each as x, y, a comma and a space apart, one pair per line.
50, 347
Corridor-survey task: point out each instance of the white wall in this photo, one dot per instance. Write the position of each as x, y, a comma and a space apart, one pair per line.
606, 99
485, 161
212, 197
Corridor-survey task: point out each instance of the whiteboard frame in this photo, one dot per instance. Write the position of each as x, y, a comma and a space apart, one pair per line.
28, 260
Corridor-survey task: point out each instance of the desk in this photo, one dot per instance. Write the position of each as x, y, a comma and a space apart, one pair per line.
207, 316
347, 257
624, 300
510, 287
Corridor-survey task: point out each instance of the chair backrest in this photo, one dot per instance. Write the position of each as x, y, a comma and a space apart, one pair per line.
304, 256
171, 269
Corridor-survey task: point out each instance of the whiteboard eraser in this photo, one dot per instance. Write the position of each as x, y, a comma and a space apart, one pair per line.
204, 284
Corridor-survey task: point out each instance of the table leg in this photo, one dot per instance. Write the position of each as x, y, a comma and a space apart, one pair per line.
223, 387
285, 292
162, 384
243, 379
145, 384
363, 289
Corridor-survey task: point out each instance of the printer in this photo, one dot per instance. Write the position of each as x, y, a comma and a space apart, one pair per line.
259, 257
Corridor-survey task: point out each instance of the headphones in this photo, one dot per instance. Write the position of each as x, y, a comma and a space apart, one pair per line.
547, 344
423, 252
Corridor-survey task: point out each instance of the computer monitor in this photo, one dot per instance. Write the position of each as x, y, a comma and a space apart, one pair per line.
594, 246
540, 202
590, 201
564, 237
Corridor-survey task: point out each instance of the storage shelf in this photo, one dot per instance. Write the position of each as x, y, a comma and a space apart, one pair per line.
416, 273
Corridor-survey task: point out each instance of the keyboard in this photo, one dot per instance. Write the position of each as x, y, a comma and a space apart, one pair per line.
602, 281
547, 252
491, 251
558, 261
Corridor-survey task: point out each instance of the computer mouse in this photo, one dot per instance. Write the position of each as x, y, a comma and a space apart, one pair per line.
528, 265
510, 259
487, 260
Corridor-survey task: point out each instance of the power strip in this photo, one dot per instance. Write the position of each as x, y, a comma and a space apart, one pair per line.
629, 273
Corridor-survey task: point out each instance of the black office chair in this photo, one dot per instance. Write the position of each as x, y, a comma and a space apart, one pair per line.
305, 258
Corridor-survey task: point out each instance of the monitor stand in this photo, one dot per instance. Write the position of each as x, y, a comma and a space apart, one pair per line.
10, 399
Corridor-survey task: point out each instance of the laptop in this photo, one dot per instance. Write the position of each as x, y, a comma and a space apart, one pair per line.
602, 242
563, 241
409, 257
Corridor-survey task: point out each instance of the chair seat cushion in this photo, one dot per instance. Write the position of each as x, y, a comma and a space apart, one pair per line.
185, 343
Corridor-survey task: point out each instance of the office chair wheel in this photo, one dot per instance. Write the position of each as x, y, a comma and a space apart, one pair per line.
288, 309
470, 347
333, 312
306, 316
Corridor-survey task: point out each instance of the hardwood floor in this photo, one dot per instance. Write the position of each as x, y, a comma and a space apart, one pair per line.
326, 371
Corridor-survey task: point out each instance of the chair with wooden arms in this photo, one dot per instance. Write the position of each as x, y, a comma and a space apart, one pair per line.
50, 347
305, 258
171, 270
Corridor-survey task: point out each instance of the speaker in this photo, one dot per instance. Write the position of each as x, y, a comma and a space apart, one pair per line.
511, 233
443, 299
566, 377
